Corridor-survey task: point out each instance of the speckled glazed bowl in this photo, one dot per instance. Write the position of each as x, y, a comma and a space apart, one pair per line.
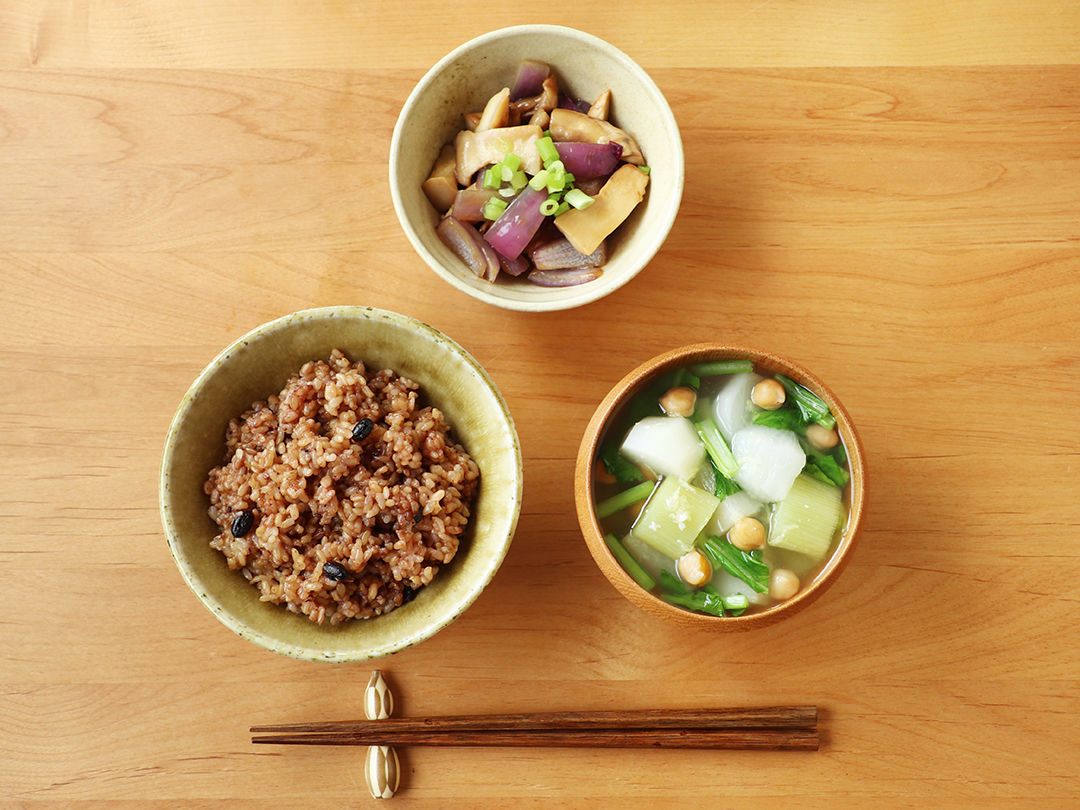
258, 365
464, 80
585, 471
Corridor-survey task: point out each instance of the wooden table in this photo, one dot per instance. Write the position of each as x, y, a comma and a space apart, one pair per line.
886, 192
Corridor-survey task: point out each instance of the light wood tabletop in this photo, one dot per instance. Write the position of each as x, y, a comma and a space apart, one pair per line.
887, 193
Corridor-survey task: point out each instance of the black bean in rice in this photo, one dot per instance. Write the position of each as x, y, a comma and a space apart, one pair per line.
385, 511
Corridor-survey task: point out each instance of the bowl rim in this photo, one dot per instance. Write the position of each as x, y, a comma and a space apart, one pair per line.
568, 297
621, 391
274, 643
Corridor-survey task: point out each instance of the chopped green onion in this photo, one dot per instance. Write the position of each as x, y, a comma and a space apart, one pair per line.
628, 497
493, 208
562, 209
503, 145
507, 192
645, 169
512, 162
549, 206
546, 147
539, 180
519, 180
579, 199
629, 563
491, 179
746, 565
722, 367
810, 405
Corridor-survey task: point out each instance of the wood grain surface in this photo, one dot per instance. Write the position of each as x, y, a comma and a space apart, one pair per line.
886, 192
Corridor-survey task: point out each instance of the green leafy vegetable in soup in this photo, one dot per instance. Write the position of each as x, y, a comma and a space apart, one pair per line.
722, 488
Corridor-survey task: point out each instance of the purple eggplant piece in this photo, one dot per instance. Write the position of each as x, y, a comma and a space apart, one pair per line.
559, 254
530, 79
565, 277
589, 159
470, 247
517, 224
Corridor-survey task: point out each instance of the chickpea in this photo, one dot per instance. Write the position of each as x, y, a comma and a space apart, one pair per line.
768, 394
783, 584
821, 437
747, 534
694, 568
679, 401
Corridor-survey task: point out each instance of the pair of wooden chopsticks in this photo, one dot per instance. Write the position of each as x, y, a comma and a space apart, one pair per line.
779, 728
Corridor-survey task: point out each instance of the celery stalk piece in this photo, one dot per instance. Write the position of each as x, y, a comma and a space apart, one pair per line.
629, 564
807, 520
674, 516
628, 497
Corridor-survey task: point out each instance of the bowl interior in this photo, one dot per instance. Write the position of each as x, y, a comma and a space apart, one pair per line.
465, 79
258, 365
594, 435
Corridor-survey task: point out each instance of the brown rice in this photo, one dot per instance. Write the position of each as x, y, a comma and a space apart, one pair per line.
341, 528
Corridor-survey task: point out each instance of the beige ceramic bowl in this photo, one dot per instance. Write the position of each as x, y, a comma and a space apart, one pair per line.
258, 365
586, 508
464, 80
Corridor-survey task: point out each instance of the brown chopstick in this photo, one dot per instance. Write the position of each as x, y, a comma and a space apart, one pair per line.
772, 739
773, 728
767, 717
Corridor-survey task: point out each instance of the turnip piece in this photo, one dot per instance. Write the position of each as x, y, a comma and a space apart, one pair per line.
769, 461
441, 186
564, 276
667, 445
475, 150
586, 160
470, 247
496, 114
561, 254
649, 558
569, 126
517, 225
601, 107
732, 408
733, 509
469, 203
530, 77
587, 228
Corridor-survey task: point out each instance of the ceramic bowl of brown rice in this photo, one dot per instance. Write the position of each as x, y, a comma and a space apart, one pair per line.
340, 484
